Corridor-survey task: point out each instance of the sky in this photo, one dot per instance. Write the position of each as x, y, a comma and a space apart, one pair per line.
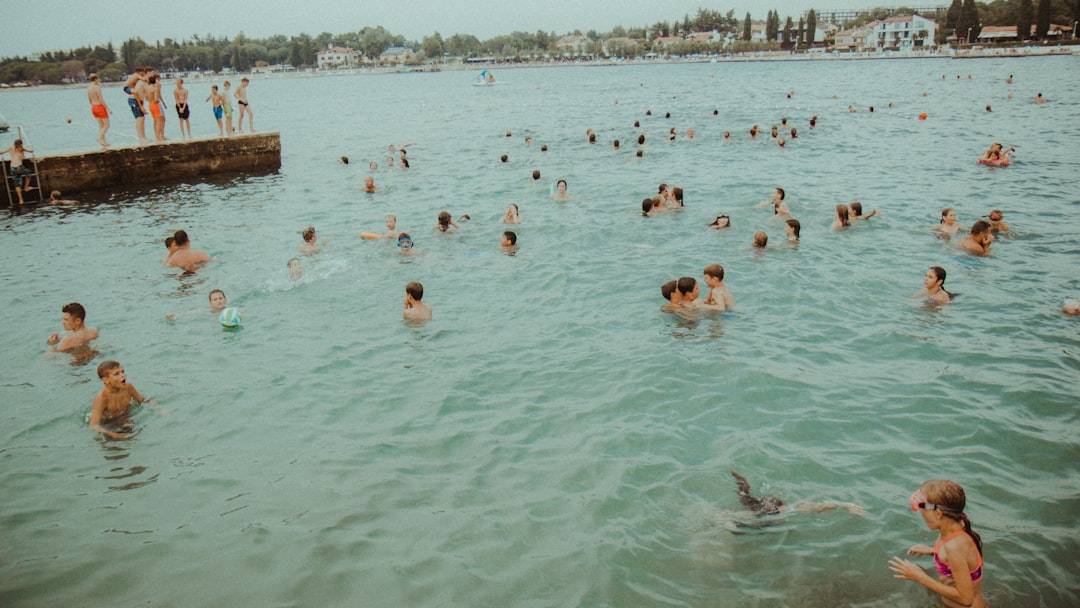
33, 26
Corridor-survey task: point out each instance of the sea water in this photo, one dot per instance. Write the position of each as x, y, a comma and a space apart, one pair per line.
551, 437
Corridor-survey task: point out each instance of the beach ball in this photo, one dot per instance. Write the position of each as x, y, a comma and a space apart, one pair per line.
922, 116
230, 317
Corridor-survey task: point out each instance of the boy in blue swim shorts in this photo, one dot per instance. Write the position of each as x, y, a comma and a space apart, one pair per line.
219, 110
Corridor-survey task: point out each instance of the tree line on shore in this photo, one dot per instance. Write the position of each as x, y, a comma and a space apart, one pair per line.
241, 54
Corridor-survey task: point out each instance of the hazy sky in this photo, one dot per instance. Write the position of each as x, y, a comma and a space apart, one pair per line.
29, 26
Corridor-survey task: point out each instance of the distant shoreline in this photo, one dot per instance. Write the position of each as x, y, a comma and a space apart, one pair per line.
767, 56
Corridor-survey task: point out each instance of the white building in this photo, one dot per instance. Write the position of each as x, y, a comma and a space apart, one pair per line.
857, 39
338, 57
906, 33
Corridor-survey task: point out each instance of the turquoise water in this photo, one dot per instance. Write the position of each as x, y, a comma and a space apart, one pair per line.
551, 438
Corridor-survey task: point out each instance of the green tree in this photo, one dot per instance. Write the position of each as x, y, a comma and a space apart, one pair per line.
374, 41
800, 32
972, 20
811, 28
295, 58
788, 27
432, 46
1042, 20
1025, 16
747, 31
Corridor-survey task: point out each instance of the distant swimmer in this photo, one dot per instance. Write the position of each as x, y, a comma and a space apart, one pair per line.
509, 242
73, 318
218, 302
56, 199
843, 217
185, 256
560, 192
934, 287
857, 212
978, 241
369, 185
446, 222
793, 228
511, 216
722, 221
776, 199
415, 309
110, 414
296, 271
1009, 80
1039, 99
948, 226
994, 155
997, 223
1071, 307
311, 242
719, 295
649, 207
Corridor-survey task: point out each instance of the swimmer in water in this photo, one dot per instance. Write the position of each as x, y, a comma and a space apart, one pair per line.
857, 214
719, 295
218, 302
509, 242
792, 228
722, 221
958, 550
110, 414
1071, 307
295, 270
761, 240
843, 218
933, 287
446, 222
560, 192
670, 293
775, 199
369, 185
995, 154
415, 310
511, 216
311, 245
405, 244
997, 221
768, 506
73, 318
977, 242
948, 226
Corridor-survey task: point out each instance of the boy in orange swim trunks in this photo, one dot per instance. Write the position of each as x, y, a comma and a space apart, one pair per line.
98, 108
153, 102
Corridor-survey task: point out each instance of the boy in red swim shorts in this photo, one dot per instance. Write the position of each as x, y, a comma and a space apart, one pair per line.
98, 108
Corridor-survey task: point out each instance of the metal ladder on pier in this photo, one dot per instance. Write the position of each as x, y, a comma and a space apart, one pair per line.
31, 183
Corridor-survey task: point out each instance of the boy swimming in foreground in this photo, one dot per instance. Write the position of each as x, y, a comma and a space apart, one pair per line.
109, 415
415, 310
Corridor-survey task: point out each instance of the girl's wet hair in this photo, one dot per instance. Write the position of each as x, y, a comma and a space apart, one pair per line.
766, 505
950, 500
945, 212
795, 226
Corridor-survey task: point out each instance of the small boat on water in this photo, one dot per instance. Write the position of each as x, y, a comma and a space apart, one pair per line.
4, 126
485, 78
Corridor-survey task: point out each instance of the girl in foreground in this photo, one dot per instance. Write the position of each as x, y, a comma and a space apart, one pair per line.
934, 287
957, 551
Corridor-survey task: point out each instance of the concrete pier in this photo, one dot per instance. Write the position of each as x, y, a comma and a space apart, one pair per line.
258, 153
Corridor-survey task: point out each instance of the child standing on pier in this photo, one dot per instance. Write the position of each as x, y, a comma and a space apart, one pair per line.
219, 108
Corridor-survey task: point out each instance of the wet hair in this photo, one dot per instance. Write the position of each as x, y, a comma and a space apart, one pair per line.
667, 289
677, 193
54, 195
508, 133
686, 285
794, 133
180, 238
592, 138
404, 163
795, 225
152, 79
309, 234
444, 219
416, 290
813, 121
980, 227
760, 239
944, 212
782, 193
716, 112
344, 160
18, 144
998, 213
106, 367
75, 310
856, 208
950, 500
715, 270
616, 143
637, 124
641, 139
511, 236
640, 153
464, 217
766, 505
536, 174
646, 206
843, 214
169, 241
504, 158
722, 216
213, 291
390, 216
667, 114
543, 147
561, 181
